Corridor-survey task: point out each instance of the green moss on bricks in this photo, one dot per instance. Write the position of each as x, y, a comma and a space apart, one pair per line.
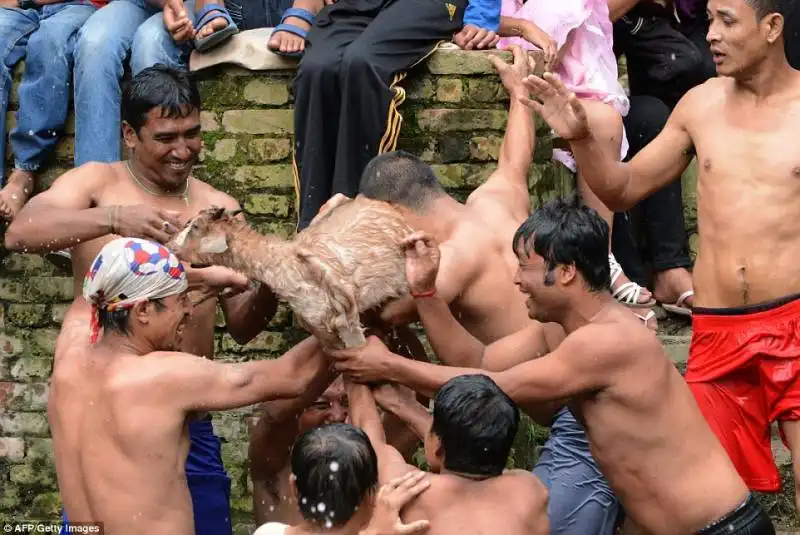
27, 315
221, 92
46, 506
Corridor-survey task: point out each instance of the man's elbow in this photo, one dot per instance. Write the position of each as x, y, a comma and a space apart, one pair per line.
14, 240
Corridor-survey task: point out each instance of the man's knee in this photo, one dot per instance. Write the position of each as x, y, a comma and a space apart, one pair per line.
153, 44
357, 61
98, 46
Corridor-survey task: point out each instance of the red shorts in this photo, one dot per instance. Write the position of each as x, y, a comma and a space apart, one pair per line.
743, 370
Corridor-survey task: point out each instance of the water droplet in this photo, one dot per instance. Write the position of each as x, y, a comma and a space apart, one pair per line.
321, 507
334, 466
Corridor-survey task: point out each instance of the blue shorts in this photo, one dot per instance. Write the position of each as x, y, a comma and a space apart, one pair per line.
580, 500
209, 484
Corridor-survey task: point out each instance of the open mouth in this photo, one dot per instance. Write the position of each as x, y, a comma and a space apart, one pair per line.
718, 57
179, 166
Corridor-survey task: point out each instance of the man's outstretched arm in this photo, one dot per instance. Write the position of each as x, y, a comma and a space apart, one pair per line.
66, 214
364, 414
619, 185
508, 185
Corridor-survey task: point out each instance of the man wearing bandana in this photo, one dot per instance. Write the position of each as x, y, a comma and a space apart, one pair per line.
119, 410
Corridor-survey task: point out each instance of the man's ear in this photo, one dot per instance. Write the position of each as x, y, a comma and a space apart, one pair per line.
129, 135
142, 311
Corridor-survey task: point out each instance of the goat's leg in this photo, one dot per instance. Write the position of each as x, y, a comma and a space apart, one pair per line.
352, 336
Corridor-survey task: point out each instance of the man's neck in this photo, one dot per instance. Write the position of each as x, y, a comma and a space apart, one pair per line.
465, 475
585, 311
125, 344
149, 179
440, 218
351, 528
771, 77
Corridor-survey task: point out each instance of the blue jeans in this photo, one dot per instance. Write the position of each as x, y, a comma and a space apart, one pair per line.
580, 500
46, 38
121, 28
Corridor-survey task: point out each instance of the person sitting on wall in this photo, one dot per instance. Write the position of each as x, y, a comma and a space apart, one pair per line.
346, 88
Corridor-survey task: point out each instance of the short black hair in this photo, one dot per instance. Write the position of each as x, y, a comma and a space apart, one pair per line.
400, 178
567, 232
477, 423
767, 7
118, 321
159, 86
335, 469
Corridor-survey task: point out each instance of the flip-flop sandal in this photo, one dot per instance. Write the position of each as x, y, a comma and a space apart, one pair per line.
629, 293
679, 307
61, 259
299, 13
211, 12
647, 317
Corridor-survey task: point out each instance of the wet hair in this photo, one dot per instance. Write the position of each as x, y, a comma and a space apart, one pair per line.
567, 232
159, 86
477, 423
767, 7
400, 178
118, 321
335, 469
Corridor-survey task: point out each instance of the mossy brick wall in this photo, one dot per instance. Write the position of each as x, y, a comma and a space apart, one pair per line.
454, 117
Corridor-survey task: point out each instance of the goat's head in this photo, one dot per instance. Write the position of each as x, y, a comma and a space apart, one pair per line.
204, 236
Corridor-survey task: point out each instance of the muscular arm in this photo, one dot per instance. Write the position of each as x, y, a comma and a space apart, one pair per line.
63, 215
405, 408
507, 187
623, 185
199, 384
271, 441
456, 272
364, 414
455, 346
584, 362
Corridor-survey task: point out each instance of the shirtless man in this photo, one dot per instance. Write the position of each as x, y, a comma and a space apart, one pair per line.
746, 277
148, 197
334, 484
282, 421
648, 436
467, 444
476, 280
120, 426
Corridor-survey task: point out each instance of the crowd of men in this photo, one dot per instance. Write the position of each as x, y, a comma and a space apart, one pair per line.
517, 308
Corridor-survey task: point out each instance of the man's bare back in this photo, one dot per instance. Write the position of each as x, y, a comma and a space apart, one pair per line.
647, 434
515, 500
120, 461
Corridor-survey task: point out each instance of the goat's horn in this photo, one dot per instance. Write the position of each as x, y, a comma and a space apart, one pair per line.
217, 212
233, 213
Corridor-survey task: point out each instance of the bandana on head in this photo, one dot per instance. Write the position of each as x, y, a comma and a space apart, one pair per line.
127, 271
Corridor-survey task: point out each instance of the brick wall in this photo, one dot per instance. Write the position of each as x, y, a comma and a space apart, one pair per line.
454, 117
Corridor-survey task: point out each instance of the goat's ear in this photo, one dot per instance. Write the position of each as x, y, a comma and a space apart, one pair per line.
217, 212
233, 213
213, 244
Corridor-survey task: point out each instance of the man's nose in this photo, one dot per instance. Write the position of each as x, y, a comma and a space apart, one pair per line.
338, 414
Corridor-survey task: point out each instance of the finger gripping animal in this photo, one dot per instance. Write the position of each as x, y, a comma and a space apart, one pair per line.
348, 261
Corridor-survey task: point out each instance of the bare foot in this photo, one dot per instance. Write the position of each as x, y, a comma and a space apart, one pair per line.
16, 193
671, 284
215, 25
286, 42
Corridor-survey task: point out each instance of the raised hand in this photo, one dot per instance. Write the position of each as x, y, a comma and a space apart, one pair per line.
559, 106
422, 262
513, 74
391, 499
365, 364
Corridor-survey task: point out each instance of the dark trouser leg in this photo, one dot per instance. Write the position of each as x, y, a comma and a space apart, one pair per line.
661, 213
696, 31
403, 34
661, 61
317, 105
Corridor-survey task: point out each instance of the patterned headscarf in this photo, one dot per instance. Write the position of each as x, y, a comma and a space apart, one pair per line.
127, 271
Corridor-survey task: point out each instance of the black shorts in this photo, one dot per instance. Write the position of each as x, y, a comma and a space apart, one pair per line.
747, 519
